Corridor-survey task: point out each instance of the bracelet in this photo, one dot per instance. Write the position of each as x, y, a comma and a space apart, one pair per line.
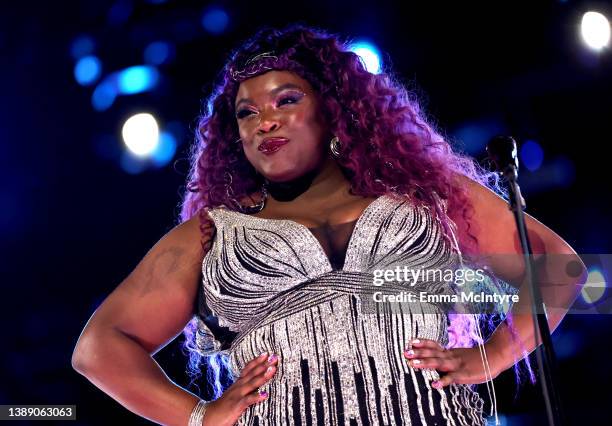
197, 414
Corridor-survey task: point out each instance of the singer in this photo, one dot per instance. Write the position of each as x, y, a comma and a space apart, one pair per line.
309, 173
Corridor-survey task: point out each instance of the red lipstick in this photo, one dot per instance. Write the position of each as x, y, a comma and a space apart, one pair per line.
271, 145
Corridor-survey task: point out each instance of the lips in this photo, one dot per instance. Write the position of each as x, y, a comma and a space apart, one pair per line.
270, 145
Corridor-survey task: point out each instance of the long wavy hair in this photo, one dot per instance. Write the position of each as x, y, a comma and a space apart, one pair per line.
388, 144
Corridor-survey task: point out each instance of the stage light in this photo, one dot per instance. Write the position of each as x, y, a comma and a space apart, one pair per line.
532, 155
137, 79
158, 52
120, 12
369, 54
215, 20
87, 70
104, 95
595, 30
141, 134
132, 164
473, 136
82, 46
595, 286
165, 150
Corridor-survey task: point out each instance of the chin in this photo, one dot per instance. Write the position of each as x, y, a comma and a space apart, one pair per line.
282, 174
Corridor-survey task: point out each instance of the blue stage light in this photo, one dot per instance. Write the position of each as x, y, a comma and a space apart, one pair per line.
120, 12
137, 79
82, 46
104, 95
165, 150
369, 54
87, 70
158, 52
473, 136
215, 20
132, 164
532, 155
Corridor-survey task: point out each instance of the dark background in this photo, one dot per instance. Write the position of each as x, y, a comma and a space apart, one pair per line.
73, 224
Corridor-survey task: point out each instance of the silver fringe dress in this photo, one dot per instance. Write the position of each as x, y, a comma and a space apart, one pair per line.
271, 284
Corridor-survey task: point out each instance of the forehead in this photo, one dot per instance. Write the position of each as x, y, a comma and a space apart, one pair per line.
264, 83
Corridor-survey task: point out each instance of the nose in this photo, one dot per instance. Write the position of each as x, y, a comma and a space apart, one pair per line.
268, 122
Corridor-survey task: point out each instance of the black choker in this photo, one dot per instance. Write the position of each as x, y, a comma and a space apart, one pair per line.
289, 190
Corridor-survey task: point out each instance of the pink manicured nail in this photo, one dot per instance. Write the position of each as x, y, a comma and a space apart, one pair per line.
436, 384
416, 361
263, 354
263, 394
416, 341
272, 358
409, 352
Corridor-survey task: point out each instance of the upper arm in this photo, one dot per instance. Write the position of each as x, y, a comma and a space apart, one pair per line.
155, 302
498, 238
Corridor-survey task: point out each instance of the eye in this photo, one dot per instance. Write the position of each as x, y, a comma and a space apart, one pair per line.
243, 113
290, 99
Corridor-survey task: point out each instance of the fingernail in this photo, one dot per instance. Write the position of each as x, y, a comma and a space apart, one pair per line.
272, 358
436, 384
409, 352
416, 361
264, 354
264, 394
416, 341
269, 370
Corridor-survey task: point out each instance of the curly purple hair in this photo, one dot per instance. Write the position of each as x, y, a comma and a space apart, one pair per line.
388, 146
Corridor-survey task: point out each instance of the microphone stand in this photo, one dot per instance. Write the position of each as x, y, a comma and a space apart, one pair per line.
507, 166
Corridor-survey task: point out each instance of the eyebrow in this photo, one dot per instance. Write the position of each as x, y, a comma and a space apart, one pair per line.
272, 92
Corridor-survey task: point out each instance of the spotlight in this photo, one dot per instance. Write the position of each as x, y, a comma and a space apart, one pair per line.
369, 54
141, 134
595, 30
595, 286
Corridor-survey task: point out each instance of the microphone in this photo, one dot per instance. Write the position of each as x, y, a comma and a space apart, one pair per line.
503, 153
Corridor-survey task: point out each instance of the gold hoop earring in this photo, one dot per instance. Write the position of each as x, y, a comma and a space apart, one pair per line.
335, 146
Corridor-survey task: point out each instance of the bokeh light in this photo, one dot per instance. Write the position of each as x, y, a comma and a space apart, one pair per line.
82, 45
140, 134
215, 20
595, 30
87, 70
595, 286
369, 54
532, 155
137, 79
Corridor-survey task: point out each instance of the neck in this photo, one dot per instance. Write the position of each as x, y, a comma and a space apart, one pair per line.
314, 186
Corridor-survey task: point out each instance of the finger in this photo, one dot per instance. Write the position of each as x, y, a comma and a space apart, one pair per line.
444, 381
441, 364
426, 353
260, 368
254, 398
424, 344
254, 363
253, 384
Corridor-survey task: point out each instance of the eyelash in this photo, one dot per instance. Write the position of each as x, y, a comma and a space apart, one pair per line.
294, 98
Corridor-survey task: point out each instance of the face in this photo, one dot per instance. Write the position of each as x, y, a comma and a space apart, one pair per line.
280, 125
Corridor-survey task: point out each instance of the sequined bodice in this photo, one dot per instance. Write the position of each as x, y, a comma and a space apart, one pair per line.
268, 285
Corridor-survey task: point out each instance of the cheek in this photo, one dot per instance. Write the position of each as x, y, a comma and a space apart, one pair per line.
309, 125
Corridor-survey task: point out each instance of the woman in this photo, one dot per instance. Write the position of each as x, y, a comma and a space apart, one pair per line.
309, 174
